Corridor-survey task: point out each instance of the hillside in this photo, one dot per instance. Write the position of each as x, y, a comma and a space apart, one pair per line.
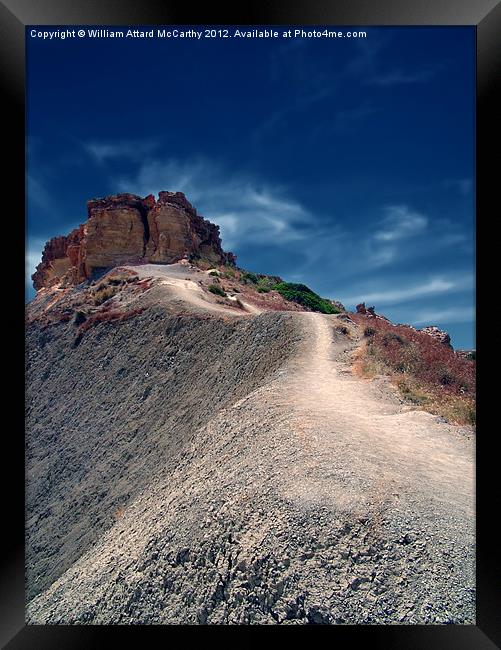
201, 448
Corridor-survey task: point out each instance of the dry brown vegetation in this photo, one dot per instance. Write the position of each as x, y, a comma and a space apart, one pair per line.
427, 373
105, 316
119, 513
110, 285
103, 293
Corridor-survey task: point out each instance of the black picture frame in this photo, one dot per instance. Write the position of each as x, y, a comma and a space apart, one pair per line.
485, 15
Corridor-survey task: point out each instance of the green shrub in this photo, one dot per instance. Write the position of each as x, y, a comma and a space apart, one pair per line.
265, 284
303, 295
249, 278
214, 273
217, 290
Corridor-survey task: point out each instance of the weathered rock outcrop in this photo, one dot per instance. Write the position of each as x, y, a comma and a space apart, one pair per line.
174, 226
369, 311
431, 330
466, 354
114, 233
125, 228
338, 305
439, 335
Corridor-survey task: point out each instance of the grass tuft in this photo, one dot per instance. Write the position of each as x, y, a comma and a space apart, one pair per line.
213, 288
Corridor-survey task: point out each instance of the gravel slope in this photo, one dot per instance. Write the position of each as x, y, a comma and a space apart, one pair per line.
270, 487
102, 417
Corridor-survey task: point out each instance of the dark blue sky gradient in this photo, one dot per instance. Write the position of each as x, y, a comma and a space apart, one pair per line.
345, 164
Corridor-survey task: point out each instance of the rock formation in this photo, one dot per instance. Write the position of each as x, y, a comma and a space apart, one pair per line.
338, 305
125, 228
439, 335
431, 330
470, 355
369, 311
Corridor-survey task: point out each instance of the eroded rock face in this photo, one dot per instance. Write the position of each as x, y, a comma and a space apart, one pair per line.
432, 330
114, 233
125, 228
369, 311
439, 335
467, 354
338, 305
60, 258
175, 227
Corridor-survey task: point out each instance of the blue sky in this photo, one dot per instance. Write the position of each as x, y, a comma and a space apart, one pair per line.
345, 164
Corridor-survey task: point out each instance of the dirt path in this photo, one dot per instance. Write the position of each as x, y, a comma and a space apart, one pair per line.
180, 285
361, 445
360, 438
177, 285
317, 497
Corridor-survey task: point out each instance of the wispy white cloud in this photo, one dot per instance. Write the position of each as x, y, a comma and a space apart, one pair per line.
445, 316
366, 65
378, 257
453, 238
366, 58
246, 209
463, 185
344, 121
432, 286
400, 222
388, 241
301, 102
400, 76
326, 79
102, 151
251, 211
38, 193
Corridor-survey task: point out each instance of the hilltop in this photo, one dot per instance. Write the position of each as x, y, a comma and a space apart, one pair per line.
126, 228
211, 445
130, 246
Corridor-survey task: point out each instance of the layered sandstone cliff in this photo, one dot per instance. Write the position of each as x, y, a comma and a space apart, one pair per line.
125, 228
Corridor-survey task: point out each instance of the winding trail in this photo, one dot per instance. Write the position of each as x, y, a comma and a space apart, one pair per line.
181, 285
361, 448
360, 444
316, 497
350, 429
